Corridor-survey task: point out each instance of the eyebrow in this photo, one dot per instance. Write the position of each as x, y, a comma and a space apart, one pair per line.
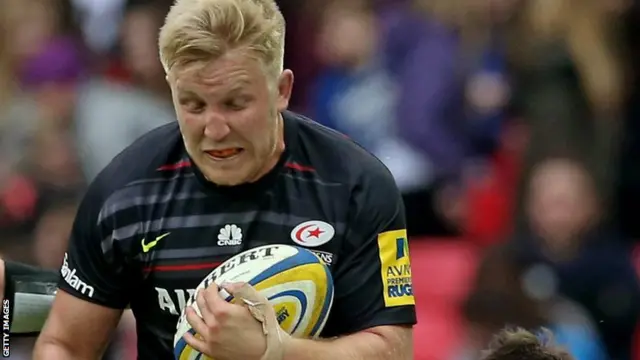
238, 85
185, 92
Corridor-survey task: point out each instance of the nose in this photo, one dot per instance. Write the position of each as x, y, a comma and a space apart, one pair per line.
216, 127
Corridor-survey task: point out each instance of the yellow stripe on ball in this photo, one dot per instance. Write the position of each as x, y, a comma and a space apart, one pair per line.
314, 272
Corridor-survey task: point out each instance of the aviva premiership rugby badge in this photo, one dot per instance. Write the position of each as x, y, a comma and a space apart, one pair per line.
396, 268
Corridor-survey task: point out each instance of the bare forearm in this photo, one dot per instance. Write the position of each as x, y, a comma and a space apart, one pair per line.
48, 348
51, 350
386, 344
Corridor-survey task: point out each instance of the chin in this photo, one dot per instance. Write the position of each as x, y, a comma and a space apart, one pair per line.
227, 180
228, 177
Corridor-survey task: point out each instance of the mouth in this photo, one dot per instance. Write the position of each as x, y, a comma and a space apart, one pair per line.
224, 154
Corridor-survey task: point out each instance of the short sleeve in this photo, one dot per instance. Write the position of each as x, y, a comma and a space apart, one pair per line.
91, 269
373, 285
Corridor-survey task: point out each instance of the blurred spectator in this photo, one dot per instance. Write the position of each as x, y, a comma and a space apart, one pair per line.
40, 63
491, 189
52, 232
111, 115
569, 73
500, 299
356, 94
571, 252
454, 77
100, 23
453, 86
52, 77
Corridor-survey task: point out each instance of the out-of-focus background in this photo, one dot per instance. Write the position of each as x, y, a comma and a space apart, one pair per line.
512, 128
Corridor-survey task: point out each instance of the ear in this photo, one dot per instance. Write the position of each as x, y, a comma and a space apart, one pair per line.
285, 86
170, 78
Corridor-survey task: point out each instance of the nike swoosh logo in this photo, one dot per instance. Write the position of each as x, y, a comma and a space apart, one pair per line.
149, 246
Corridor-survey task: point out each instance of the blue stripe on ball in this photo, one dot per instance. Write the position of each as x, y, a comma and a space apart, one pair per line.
327, 302
302, 298
181, 345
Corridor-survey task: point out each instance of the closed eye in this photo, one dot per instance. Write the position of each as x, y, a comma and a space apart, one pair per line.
193, 106
238, 103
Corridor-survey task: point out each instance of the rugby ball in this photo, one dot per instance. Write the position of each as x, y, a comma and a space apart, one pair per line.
296, 282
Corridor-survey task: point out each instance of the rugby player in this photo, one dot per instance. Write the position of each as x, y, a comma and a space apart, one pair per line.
520, 344
236, 171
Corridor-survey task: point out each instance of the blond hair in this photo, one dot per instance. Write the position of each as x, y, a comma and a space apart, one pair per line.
199, 31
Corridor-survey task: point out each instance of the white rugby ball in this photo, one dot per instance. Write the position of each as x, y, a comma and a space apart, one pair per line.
296, 282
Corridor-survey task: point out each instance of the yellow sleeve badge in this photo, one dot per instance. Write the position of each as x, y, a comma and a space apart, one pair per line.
396, 268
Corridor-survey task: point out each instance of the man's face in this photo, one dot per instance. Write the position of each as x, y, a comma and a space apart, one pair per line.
562, 202
139, 32
229, 116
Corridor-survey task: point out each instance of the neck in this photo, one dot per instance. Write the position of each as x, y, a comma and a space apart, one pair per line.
562, 248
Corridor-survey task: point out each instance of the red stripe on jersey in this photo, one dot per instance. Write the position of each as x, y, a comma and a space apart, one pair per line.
298, 167
176, 166
185, 267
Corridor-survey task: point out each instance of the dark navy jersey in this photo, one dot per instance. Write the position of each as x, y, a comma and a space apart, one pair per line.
150, 228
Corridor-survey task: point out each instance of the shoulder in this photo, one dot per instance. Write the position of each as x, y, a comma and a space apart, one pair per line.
139, 161
337, 158
373, 200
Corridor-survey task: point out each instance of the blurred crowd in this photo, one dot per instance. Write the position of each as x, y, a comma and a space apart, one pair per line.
511, 126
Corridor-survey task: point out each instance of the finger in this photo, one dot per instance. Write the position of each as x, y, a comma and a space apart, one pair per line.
229, 290
218, 307
196, 322
214, 299
196, 343
232, 288
205, 311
